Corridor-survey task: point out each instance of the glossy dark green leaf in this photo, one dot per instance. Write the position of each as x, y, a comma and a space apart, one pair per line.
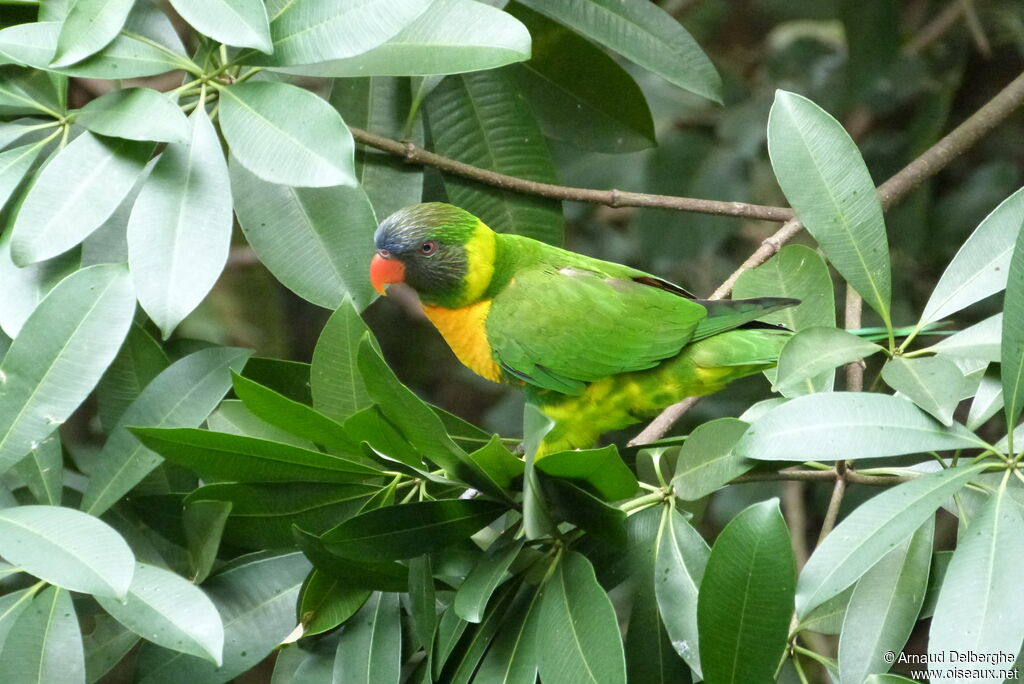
297, 235
848, 425
232, 416
74, 194
569, 78
337, 386
872, 530
183, 395
462, 664
1012, 350
365, 574
706, 460
262, 515
170, 611
180, 228
512, 657
827, 183
537, 522
308, 663
681, 555
203, 523
67, 548
498, 462
474, 593
422, 600
256, 598
257, 119
60, 354
411, 529
325, 602
312, 31
138, 362
221, 456
242, 23
934, 384
482, 119
600, 470
382, 105
290, 378
136, 114
370, 648
815, 352
746, 597
884, 608
584, 510
43, 471
977, 611
299, 419
88, 27
45, 642
643, 33
383, 438
575, 607
451, 37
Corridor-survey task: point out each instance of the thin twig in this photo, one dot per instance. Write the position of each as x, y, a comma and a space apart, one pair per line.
801, 475
935, 29
794, 511
929, 163
612, 198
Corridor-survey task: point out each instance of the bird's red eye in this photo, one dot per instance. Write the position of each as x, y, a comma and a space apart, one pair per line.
385, 254
428, 247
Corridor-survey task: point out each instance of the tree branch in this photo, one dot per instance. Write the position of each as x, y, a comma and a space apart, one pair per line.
798, 475
933, 160
612, 198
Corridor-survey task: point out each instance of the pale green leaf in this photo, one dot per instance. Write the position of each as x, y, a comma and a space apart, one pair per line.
706, 460
88, 27
235, 22
980, 341
371, 644
934, 384
136, 114
45, 643
25, 287
1012, 341
681, 556
815, 350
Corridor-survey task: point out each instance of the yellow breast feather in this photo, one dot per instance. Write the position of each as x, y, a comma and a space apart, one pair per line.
463, 330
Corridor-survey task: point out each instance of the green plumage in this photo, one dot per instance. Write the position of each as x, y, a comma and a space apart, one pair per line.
597, 345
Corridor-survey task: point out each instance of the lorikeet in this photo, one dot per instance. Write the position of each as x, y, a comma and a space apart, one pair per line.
597, 346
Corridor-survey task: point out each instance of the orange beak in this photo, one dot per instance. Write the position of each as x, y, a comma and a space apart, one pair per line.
383, 272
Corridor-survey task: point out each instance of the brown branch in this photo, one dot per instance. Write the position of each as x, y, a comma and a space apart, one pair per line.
612, 198
935, 29
931, 161
799, 475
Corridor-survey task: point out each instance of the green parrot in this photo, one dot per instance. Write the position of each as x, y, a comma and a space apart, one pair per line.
597, 346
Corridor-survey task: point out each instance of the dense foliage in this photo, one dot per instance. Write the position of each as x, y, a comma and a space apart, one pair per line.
195, 486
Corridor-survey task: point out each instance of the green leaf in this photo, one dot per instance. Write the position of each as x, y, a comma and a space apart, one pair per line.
512, 657
203, 523
498, 462
568, 78
45, 643
746, 597
338, 388
987, 401
979, 610
258, 121
325, 602
127, 56
242, 23
59, 355
422, 600
584, 510
706, 460
296, 233
681, 556
382, 105
26, 92
537, 522
74, 194
14, 166
643, 33
139, 361
105, 646
936, 576
600, 470
934, 384
11, 606
295, 417
474, 593
482, 119
979, 341
813, 352
306, 664
221, 456
980, 267
872, 530
828, 617
884, 608
170, 611
450, 37
180, 227
43, 471
25, 287
232, 416
588, 647
411, 529
388, 576
88, 27
67, 548
135, 114
370, 426
262, 515
311, 31
182, 396
255, 597
858, 425
1012, 341
827, 184
461, 667
371, 645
